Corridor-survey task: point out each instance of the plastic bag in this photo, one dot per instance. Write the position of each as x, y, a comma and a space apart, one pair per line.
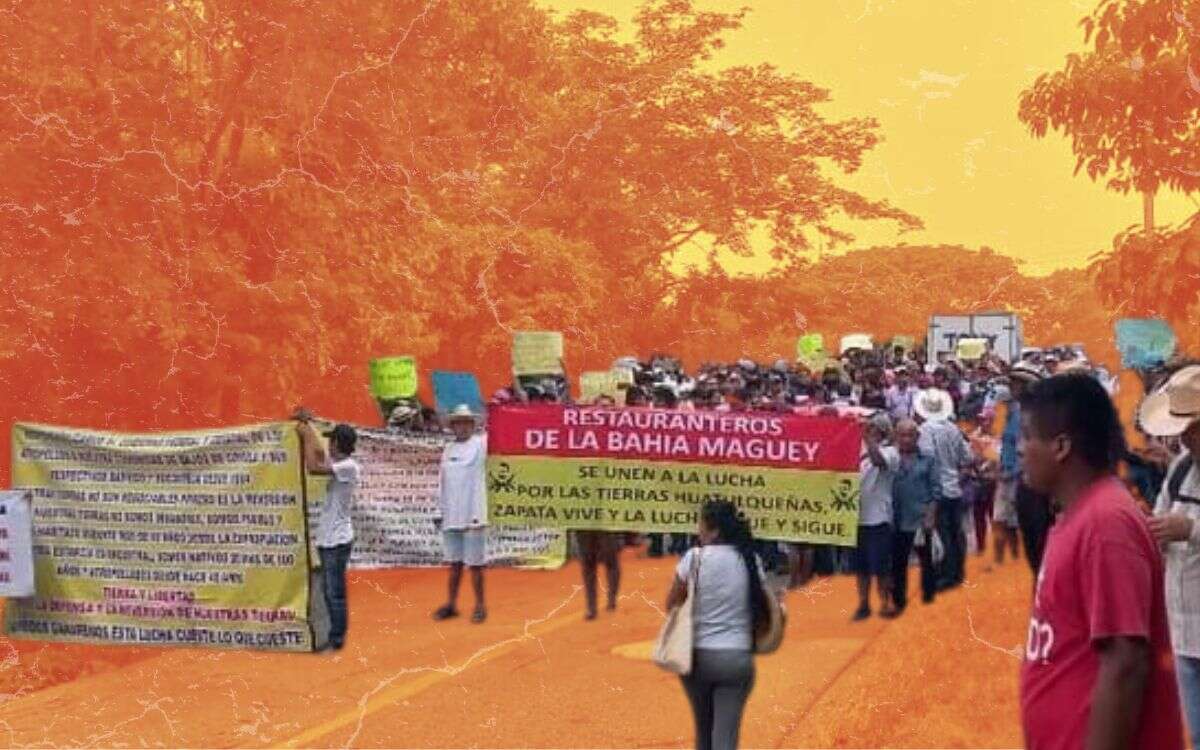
939, 550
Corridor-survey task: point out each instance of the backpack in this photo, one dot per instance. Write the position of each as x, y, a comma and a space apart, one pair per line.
1175, 481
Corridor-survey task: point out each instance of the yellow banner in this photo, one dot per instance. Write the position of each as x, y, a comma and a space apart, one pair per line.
623, 495
180, 538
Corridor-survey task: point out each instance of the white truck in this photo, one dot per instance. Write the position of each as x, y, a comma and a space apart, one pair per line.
1002, 331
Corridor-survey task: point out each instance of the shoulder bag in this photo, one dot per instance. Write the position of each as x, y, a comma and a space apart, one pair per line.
673, 649
770, 633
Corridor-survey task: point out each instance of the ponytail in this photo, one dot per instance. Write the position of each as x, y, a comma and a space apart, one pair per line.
732, 528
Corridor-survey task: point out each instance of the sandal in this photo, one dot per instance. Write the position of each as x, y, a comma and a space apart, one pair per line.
445, 613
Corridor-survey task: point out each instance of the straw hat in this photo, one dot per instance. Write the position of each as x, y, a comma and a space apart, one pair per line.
462, 413
934, 405
1174, 406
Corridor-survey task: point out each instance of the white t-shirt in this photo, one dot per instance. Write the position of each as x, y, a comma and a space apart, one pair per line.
335, 527
463, 497
875, 507
721, 616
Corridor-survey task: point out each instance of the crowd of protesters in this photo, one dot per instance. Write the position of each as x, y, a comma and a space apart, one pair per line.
935, 477
1114, 640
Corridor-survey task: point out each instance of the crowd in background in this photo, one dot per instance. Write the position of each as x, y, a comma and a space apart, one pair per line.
883, 387
940, 467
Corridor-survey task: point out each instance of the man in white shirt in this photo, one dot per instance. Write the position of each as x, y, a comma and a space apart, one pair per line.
1174, 410
900, 396
872, 558
335, 533
463, 502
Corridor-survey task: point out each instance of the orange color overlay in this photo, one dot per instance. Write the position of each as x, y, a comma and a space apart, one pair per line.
212, 210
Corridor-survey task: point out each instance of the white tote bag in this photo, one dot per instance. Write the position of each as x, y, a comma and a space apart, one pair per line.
673, 649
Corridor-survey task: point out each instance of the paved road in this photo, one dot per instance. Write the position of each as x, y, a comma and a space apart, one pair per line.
537, 675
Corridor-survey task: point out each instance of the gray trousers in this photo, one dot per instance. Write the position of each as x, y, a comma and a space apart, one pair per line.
717, 687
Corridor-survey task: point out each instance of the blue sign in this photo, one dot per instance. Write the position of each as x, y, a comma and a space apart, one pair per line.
1144, 343
451, 389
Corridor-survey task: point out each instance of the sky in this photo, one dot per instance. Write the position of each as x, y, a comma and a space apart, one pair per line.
943, 78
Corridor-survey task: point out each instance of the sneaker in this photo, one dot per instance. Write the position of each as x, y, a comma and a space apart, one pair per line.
590, 614
445, 613
479, 615
861, 614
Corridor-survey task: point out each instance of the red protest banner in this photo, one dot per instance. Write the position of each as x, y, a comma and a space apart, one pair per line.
747, 439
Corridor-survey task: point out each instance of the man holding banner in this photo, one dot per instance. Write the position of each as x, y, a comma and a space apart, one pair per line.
335, 534
464, 510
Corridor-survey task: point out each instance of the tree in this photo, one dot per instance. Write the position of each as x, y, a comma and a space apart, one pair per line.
884, 291
221, 207
1131, 104
1156, 274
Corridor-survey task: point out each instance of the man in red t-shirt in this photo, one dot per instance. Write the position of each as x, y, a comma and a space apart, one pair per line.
1098, 669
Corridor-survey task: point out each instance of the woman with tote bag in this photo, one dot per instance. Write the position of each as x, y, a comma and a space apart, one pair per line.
719, 607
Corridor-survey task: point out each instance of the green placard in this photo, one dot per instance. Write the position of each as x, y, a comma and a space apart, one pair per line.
810, 345
393, 377
810, 351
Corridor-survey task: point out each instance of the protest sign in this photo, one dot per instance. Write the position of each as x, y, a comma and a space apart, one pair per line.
810, 351
537, 353
972, 349
857, 341
795, 477
393, 377
179, 538
810, 344
592, 385
1144, 343
16, 546
396, 502
451, 389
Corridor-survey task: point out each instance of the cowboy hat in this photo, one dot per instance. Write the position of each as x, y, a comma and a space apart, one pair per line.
462, 413
1174, 406
934, 405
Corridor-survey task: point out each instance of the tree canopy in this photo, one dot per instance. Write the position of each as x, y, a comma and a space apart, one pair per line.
215, 209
